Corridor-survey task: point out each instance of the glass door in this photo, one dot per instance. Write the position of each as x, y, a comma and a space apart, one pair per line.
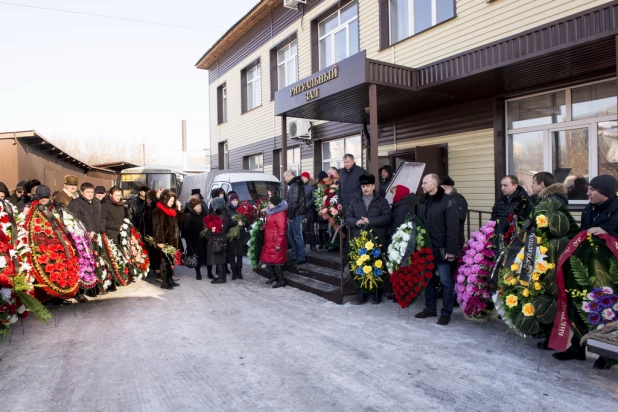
571, 155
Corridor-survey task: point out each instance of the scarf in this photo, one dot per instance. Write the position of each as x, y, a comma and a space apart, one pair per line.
114, 202
167, 210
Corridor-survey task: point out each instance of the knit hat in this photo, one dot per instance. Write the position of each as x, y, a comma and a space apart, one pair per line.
447, 181
275, 200
605, 184
234, 196
400, 192
305, 175
197, 192
367, 179
322, 175
218, 203
71, 180
42, 191
99, 190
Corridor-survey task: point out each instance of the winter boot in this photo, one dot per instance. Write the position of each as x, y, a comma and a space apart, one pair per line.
198, 273
158, 277
239, 272
234, 272
210, 275
273, 276
221, 269
280, 279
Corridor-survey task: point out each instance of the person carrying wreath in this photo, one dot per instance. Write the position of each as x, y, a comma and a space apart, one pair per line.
217, 242
193, 226
166, 231
275, 239
371, 210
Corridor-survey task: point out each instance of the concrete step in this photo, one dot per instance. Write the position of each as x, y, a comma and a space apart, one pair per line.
323, 274
307, 284
325, 259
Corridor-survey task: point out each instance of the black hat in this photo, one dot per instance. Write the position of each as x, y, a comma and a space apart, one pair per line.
275, 200
42, 191
30, 184
197, 192
144, 188
99, 190
605, 184
447, 181
367, 179
322, 175
20, 185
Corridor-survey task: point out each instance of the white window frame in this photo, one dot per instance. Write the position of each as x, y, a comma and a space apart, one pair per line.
547, 129
259, 169
224, 104
339, 160
434, 19
280, 64
342, 26
257, 87
295, 164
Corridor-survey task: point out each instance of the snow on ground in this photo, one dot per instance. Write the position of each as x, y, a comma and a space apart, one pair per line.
243, 346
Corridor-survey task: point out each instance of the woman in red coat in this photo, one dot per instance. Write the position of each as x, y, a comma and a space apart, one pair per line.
275, 240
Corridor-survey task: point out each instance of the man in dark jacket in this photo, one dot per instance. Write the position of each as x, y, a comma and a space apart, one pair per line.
100, 193
18, 193
448, 185
29, 194
87, 209
370, 210
599, 217
296, 214
135, 208
544, 185
349, 186
386, 176
514, 201
438, 212
311, 214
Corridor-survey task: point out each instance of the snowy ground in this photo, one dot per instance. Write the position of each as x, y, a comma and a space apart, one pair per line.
243, 346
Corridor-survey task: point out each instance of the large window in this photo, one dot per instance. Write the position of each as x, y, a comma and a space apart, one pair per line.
571, 133
338, 35
252, 87
408, 17
255, 163
333, 151
222, 104
287, 64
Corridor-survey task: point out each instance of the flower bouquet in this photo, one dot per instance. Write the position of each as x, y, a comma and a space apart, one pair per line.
135, 250
212, 225
246, 214
256, 243
474, 273
326, 202
53, 255
173, 255
261, 204
103, 264
118, 260
410, 261
87, 273
367, 266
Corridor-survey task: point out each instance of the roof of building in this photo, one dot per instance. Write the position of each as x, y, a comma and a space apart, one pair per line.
43, 144
116, 166
249, 20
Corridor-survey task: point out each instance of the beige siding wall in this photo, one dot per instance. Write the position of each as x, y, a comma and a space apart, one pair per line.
477, 23
470, 164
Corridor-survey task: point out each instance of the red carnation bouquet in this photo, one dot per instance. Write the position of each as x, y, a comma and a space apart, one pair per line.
212, 224
245, 213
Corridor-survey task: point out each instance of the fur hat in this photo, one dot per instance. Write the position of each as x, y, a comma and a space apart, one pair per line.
31, 184
42, 191
447, 181
197, 192
71, 180
99, 190
322, 175
218, 203
605, 184
275, 200
367, 179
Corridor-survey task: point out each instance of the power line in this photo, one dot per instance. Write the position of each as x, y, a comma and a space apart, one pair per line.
109, 17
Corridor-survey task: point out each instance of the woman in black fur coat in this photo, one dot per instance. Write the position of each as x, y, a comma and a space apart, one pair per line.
166, 231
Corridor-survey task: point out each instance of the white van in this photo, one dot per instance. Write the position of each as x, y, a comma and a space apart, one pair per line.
247, 184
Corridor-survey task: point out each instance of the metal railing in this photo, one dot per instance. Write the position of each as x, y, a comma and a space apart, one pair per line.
478, 214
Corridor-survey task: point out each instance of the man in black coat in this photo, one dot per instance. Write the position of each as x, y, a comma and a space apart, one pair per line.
312, 214
514, 201
438, 213
349, 186
386, 176
544, 185
369, 210
448, 185
297, 210
135, 208
87, 209
18, 193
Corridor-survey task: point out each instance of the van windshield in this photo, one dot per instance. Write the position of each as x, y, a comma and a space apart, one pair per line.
254, 190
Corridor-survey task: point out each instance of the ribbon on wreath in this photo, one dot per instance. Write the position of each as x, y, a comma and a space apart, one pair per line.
509, 253
559, 337
405, 261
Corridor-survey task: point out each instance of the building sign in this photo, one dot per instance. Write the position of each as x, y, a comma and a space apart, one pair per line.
308, 85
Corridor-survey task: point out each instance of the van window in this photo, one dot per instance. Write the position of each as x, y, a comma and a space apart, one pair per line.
226, 187
254, 190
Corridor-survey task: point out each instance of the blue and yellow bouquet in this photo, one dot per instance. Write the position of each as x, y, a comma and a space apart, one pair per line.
367, 267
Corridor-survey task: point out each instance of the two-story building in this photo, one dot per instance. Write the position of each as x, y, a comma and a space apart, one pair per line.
474, 88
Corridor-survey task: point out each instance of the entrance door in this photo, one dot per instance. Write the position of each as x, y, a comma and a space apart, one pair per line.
571, 156
435, 158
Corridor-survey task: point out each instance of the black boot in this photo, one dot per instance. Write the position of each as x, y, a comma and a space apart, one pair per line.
221, 269
570, 353
280, 279
210, 275
239, 272
234, 272
198, 273
273, 276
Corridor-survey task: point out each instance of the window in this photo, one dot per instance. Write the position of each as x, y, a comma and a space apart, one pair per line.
251, 86
294, 160
287, 64
222, 104
338, 35
409, 17
333, 151
255, 163
571, 133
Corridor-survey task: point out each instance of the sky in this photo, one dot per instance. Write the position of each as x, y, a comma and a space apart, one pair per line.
74, 78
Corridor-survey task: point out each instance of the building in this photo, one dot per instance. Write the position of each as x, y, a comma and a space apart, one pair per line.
474, 88
28, 155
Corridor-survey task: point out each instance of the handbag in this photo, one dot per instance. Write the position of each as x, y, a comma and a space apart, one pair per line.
219, 244
189, 261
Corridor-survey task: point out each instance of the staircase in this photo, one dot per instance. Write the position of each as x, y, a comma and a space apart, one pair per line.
321, 275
